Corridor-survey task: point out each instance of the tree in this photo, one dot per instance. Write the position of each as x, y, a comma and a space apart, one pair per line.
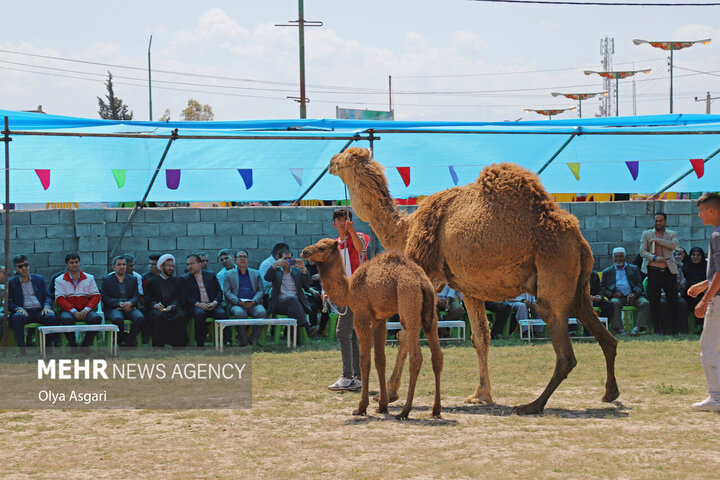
165, 116
115, 108
196, 112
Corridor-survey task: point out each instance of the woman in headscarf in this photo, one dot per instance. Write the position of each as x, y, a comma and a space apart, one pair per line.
681, 256
694, 270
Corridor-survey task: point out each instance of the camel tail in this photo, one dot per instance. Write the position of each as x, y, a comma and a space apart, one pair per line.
429, 313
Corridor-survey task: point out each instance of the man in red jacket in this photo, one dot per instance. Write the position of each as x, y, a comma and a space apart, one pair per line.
77, 296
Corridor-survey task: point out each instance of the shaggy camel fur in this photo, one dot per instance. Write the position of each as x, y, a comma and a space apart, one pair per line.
491, 239
388, 284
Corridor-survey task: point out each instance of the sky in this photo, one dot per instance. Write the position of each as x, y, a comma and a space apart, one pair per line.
450, 60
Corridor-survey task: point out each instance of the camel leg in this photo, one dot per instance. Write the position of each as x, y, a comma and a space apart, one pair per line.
481, 342
607, 342
413, 341
362, 329
437, 361
393, 383
553, 305
380, 332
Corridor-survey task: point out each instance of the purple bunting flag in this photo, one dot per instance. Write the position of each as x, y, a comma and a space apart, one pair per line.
172, 179
634, 167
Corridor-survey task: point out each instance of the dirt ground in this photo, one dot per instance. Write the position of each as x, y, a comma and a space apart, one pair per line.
297, 428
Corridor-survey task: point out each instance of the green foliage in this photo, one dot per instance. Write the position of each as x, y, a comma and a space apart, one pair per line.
671, 389
196, 112
114, 108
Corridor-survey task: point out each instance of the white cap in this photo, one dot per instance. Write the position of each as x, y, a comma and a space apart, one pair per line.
163, 259
618, 250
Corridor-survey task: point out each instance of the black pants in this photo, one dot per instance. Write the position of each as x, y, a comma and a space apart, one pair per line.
661, 280
168, 328
606, 310
502, 312
92, 318
200, 315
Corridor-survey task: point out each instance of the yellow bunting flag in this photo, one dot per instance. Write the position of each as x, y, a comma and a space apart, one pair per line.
575, 169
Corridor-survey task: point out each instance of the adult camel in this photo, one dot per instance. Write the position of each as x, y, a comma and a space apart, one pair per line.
491, 239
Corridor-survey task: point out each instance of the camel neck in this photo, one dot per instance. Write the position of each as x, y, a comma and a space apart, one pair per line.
379, 210
334, 281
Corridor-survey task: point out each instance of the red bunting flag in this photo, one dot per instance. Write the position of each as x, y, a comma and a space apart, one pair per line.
44, 176
698, 165
405, 174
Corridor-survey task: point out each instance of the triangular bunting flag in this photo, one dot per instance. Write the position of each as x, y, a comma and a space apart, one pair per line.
633, 167
44, 176
172, 179
453, 175
119, 174
699, 166
246, 174
575, 169
405, 174
297, 173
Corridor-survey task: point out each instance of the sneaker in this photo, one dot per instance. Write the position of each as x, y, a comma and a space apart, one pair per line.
341, 384
707, 405
355, 385
637, 331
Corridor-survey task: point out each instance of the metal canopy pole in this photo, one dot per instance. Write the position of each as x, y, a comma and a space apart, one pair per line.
574, 134
665, 188
7, 140
141, 203
297, 202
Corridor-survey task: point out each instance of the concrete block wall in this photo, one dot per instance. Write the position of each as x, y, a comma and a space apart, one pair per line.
46, 236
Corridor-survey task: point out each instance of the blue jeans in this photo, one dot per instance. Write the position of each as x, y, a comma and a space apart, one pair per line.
256, 311
18, 321
92, 318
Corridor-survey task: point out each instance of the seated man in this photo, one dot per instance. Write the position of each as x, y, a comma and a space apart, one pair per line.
163, 305
203, 296
502, 311
267, 263
152, 270
244, 292
523, 306
448, 301
606, 308
77, 296
29, 301
130, 271
288, 278
621, 283
225, 257
120, 298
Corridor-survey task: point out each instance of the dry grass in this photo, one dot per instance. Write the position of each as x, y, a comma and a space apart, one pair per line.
299, 429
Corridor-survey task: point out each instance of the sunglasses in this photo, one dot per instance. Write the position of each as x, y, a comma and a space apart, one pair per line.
22, 265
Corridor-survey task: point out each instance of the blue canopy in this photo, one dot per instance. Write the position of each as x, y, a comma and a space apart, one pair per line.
65, 159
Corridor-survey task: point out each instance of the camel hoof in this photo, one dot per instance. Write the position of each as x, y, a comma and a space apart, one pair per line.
611, 396
484, 398
529, 409
382, 409
392, 396
357, 411
402, 416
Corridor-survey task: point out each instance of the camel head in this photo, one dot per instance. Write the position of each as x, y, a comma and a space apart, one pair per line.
352, 157
322, 251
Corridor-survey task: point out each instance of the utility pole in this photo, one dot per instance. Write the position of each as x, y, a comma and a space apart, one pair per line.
607, 49
301, 23
149, 79
707, 101
390, 92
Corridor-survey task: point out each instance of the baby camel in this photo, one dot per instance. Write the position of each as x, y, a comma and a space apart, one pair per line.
388, 284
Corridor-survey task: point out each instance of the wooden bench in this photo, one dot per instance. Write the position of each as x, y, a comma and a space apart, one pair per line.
459, 324
220, 325
112, 342
536, 322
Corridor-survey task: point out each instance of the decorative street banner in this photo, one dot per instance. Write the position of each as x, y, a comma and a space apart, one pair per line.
358, 114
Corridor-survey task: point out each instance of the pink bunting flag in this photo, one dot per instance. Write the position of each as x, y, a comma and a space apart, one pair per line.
44, 176
172, 179
405, 174
634, 167
698, 165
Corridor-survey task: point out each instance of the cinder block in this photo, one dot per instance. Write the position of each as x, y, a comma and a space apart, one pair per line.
167, 244
699, 233
599, 249
16, 218
241, 214
31, 232
112, 230
186, 215
21, 246
12, 231
190, 243
320, 214
201, 229
582, 208
244, 243
293, 214
110, 215
589, 235
609, 235
678, 207
134, 244
298, 242
256, 228
229, 228
608, 208
256, 257
37, 260
67, 217
282, 228
44, 217
213, 215
89, 215
683, 234
622, 221
634, 208
158, 215
172, 229
331, 231
92, 244
100, 261
122, 215
267, 242
56, 260
70, 245
631, 235
60, 231
598, 222
309, 228
267, 214
684, 220
48, 245
216, 242
149, 230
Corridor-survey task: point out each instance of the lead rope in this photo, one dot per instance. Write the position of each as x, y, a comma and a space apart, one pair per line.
345, 253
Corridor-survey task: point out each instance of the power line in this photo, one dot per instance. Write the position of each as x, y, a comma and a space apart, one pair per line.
604, 4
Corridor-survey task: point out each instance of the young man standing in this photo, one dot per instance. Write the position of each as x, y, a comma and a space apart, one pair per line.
709, 305
353, 249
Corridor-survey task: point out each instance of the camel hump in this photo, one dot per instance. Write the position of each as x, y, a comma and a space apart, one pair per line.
503, 180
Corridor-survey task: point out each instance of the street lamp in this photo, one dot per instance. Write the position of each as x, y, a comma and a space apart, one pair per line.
617, 75
579, 97
672, 46
550, 112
